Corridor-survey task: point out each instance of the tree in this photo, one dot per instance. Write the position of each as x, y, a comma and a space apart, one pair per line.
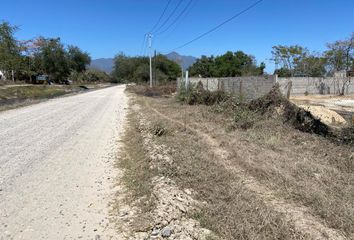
52, 59
227, 65
166, 69
340, 55
10, 54
136, 69
288, 57
204, 67
77, 59
312, 66
283, 72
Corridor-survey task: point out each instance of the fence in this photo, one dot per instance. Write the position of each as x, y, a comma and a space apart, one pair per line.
255, 87
247, 87
311, 85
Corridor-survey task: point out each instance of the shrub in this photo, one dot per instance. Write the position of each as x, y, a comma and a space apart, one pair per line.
198, 95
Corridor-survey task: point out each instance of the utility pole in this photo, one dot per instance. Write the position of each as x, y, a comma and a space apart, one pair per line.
155, 69
150, 43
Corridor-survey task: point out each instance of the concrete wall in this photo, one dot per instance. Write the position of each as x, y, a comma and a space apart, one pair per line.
255, 87
310, 85
247, 87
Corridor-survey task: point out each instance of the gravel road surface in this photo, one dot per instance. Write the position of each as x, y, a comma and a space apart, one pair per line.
56, 166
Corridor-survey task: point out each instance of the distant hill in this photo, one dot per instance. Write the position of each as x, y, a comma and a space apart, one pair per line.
107, 64
103, 64
186, 60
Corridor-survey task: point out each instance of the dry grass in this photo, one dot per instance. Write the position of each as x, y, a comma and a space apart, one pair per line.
232, 211
155, 91
306, 169
302, 169
137, 174
17, 96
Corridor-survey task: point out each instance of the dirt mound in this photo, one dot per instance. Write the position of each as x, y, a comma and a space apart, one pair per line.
326, 115
274, 103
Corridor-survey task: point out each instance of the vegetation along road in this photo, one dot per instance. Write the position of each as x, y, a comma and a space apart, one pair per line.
56, 162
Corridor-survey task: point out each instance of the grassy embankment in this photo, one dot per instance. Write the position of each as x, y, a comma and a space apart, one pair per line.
22, 95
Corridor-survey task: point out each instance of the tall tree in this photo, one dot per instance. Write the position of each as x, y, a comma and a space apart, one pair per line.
136, 69
10, 54
312, 66
78, 60
230, 64
204, 67
289, 57
53, 59
340, 55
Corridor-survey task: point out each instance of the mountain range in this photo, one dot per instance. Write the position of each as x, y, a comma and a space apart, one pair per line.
107, 64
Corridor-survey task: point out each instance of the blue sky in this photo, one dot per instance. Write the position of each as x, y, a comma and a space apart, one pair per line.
105, 27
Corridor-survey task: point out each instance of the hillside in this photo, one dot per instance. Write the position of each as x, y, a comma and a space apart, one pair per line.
186, 60
103, 64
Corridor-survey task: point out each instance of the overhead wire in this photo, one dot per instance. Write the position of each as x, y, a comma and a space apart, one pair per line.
161, 16
142, 45
169, 17
219, 25
184, 17
176, 19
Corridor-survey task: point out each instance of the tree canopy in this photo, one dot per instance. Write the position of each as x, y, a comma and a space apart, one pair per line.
230, 64
24, 59
136, 69
299, 61
10, 54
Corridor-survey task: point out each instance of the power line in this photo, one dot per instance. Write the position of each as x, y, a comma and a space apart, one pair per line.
142, 45
161, 16
177, 18
218, 26
179, 23
169, 17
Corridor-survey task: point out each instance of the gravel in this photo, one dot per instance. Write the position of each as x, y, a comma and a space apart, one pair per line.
56, 166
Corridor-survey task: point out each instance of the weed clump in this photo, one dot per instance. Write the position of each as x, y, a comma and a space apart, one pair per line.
158, 130
195, 95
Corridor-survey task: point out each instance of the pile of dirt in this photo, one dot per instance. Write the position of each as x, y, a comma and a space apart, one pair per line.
326, 115
274, 103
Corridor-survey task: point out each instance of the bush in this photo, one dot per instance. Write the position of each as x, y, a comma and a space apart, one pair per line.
156, 91
91, 76
198, 95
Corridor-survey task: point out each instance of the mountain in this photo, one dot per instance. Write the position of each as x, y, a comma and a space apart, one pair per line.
103, 64
187, 61
106, 64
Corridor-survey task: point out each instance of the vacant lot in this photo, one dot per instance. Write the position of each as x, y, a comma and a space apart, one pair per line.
263, 181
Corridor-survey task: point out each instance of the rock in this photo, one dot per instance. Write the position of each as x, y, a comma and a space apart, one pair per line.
97, 237
188, 192
166, 232
155, 232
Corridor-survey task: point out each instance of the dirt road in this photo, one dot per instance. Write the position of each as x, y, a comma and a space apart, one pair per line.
56, 173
